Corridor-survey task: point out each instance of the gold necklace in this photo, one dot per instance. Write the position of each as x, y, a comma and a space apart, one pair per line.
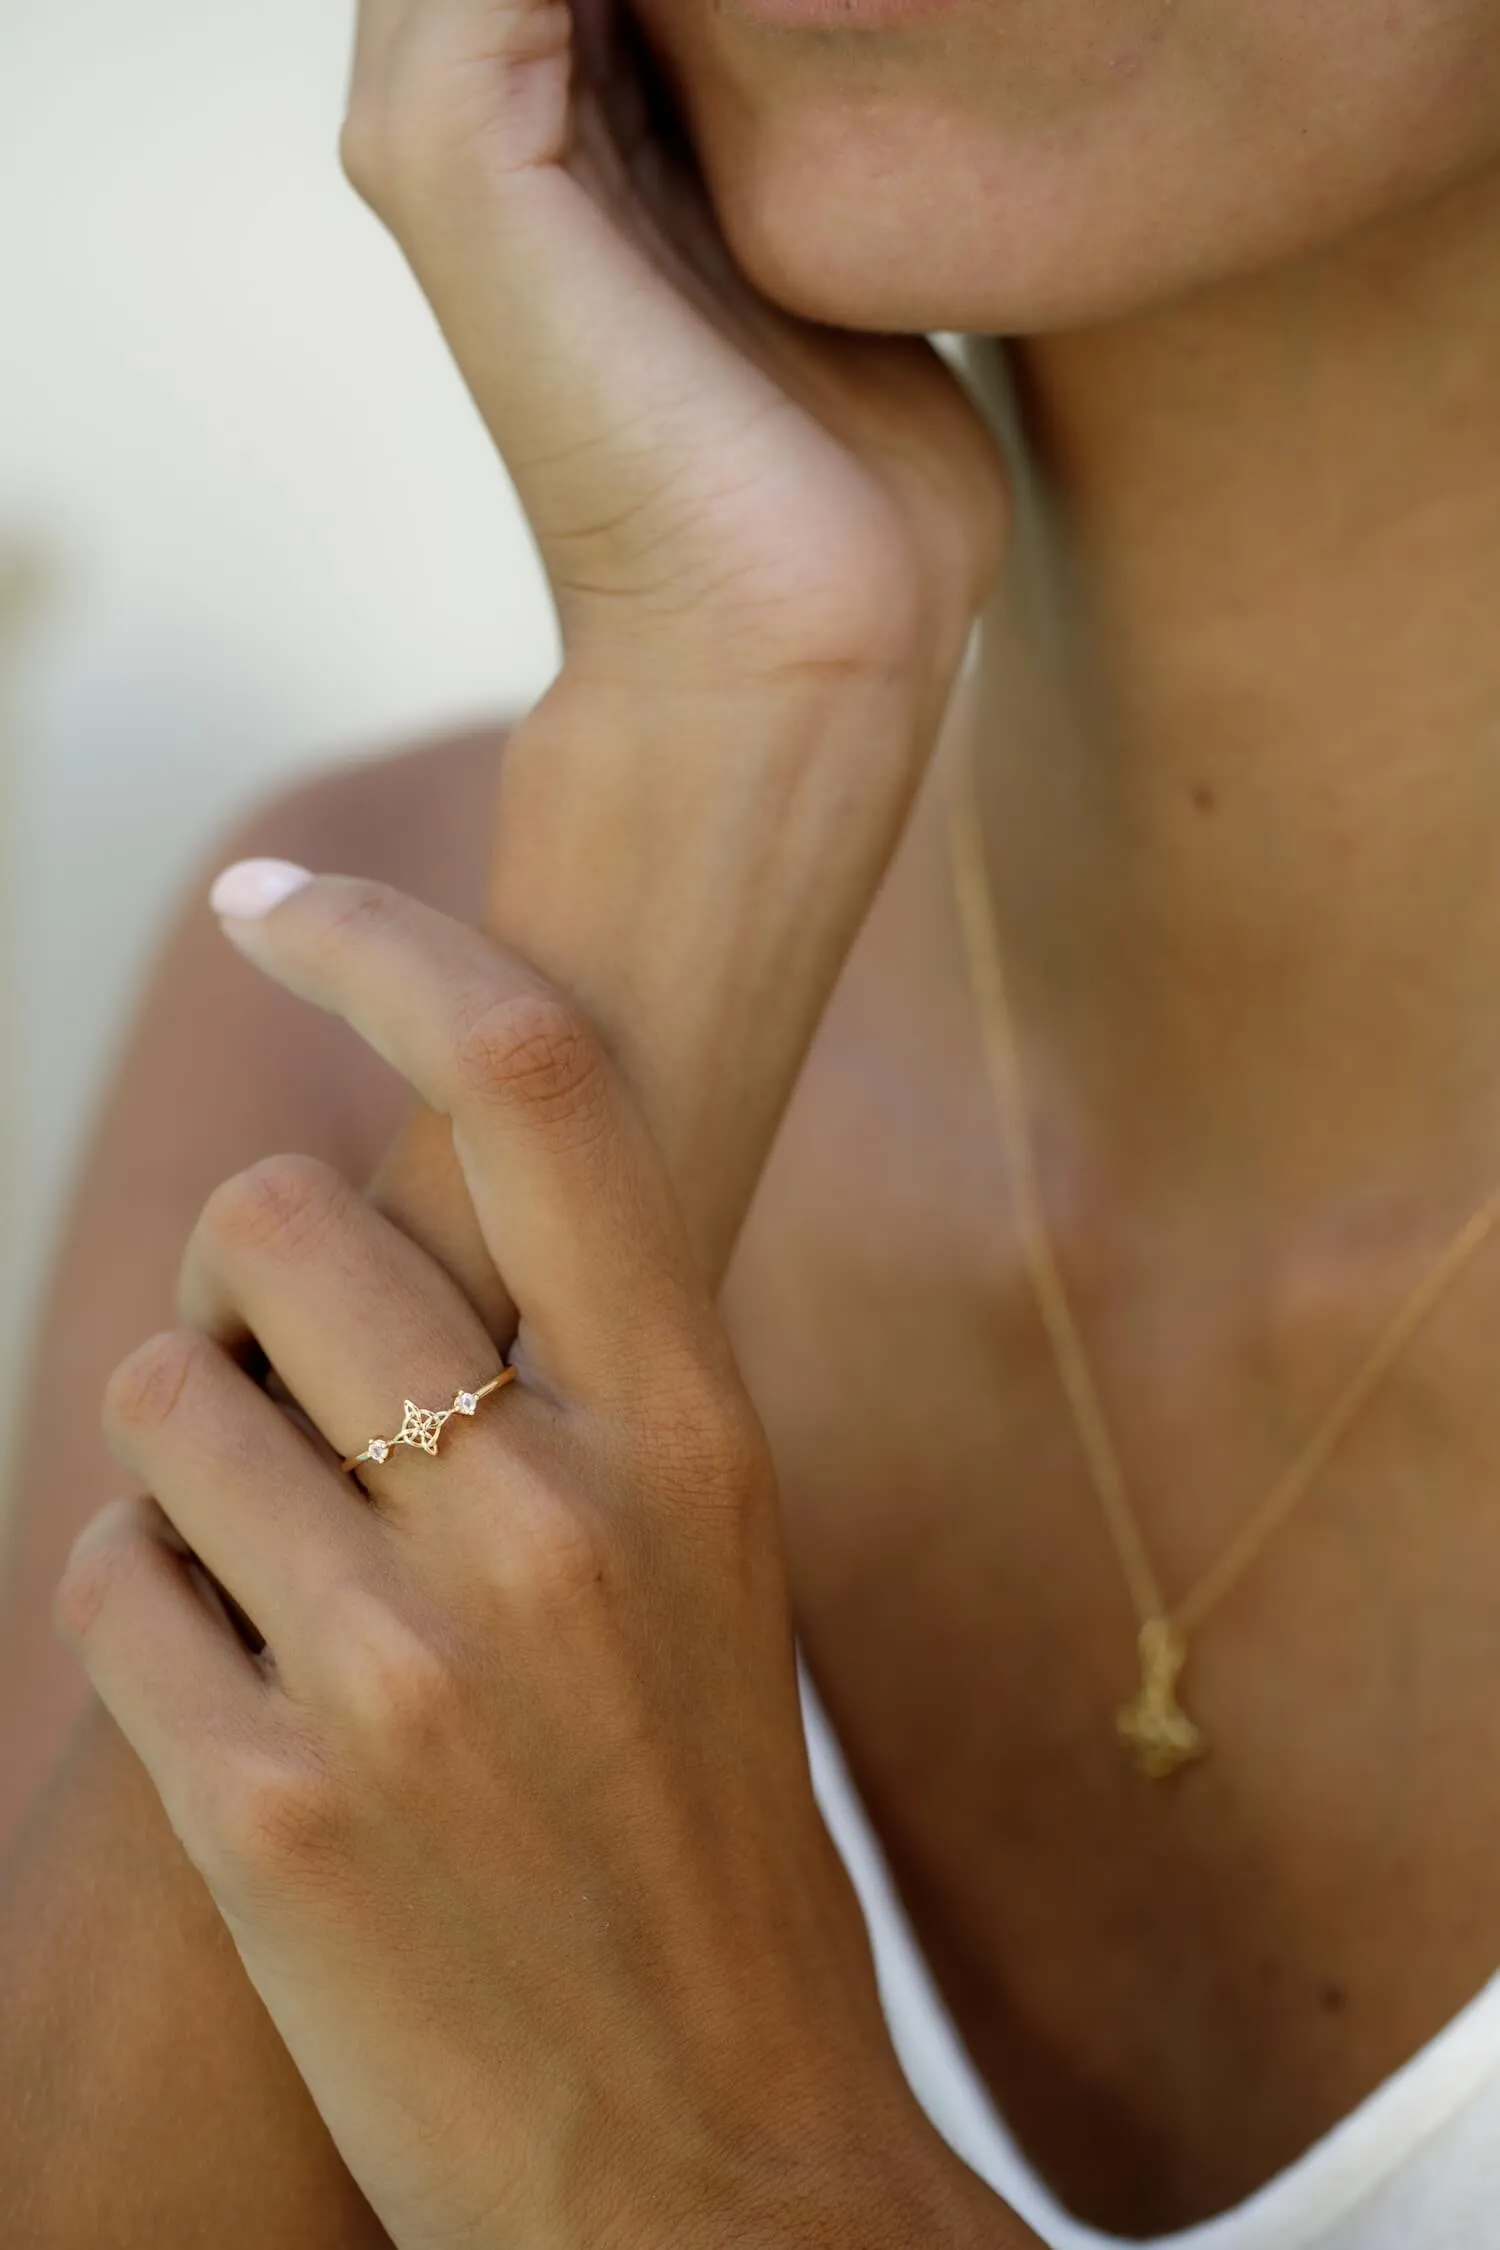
1153, 1727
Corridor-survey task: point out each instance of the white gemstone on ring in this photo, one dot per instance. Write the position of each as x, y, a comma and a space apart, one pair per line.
466, 1402
379, 1450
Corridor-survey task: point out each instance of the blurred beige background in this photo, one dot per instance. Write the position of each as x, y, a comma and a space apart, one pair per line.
249, 522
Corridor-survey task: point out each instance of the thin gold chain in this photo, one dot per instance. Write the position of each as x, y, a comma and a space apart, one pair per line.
1164, 1626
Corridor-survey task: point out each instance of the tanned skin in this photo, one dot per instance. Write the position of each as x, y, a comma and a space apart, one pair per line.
186, 2103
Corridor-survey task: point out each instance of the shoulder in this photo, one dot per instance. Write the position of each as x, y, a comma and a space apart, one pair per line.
219, 1065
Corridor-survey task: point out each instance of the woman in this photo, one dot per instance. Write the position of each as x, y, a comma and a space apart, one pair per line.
533, 1934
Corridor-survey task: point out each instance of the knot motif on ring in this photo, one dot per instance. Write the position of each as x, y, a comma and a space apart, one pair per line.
421, 1427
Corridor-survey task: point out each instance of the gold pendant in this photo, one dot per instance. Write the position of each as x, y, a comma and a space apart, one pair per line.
1154, 1728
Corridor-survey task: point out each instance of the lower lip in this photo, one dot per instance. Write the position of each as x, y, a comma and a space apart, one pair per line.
841, 15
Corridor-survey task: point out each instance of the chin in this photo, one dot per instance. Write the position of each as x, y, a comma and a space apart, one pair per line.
933, 177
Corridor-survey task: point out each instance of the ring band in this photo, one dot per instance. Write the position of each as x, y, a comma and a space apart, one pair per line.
422, 1428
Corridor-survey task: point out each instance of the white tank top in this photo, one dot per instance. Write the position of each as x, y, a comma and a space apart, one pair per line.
1416, 2167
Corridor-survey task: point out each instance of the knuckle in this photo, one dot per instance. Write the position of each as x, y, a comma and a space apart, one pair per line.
556, 1552
427, 106
397, 127
387, 120
274, 1821
362, 147
284, 1205
706, 1444
146, 1389
398, 1685
96, 1572
531, 1052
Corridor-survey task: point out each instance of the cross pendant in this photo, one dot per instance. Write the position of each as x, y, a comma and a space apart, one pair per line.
421, 1427
1154, 1728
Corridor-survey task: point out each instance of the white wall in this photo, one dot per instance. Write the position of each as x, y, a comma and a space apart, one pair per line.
268, 526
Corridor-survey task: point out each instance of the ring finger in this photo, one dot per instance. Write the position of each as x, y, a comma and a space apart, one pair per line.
357, 1321
242, 1486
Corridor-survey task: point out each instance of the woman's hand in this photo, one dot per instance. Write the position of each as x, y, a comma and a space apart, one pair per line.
713, 485
509, 1817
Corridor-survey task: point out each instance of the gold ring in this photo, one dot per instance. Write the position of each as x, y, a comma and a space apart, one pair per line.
422, 1428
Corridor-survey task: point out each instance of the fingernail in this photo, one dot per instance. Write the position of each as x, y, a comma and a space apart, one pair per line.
252, 887
99, 1528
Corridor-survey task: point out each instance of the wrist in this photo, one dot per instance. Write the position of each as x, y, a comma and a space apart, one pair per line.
693, 866
889, 2182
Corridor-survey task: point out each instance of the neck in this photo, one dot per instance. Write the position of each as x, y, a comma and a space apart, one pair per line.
1239, 718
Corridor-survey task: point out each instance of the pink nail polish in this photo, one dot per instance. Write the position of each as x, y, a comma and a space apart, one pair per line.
251, 887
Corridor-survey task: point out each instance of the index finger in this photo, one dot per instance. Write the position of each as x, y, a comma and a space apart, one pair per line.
569, 1190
